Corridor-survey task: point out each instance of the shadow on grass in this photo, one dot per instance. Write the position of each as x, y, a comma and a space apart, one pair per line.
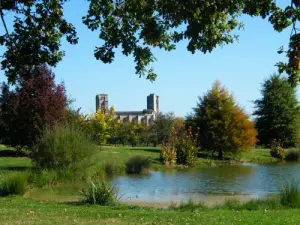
155, 150
12, 153
76, 203
15, 168
206, 155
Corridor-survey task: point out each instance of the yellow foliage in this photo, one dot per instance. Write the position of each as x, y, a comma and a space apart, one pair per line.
102, 124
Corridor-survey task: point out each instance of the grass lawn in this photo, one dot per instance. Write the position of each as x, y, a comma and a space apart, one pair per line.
41, 205
121, 154
17, 210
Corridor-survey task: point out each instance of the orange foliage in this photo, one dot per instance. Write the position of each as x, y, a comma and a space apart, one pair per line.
244, 132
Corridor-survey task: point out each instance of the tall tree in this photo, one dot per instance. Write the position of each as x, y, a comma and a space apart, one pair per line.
224, 127
137, 27
277, 112
161, 129
34, 104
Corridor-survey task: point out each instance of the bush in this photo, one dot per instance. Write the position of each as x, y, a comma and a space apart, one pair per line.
16, 185
112, 168
99, 192
277, 151
293, 155
290, 194
138, 164
186, 152
50, 177
181, 147
63, 147
168, 154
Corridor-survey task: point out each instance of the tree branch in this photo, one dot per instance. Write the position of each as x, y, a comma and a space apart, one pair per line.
3, 21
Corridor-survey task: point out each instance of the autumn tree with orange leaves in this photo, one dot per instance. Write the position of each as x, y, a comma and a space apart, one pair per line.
225, 129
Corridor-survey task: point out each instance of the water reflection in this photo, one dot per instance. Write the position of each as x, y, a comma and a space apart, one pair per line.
249, 179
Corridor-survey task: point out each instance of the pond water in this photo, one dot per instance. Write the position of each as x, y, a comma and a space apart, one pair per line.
244, 180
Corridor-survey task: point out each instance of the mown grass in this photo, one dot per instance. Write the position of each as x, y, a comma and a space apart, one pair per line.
40, 205
16, 210
121, 154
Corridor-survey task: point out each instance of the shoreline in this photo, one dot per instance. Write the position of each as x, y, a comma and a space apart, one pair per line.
207, 200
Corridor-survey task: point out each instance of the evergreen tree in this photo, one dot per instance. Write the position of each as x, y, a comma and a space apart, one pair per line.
277, 112
224, 127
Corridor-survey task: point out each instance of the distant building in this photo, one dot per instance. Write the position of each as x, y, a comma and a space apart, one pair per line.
102, 102
145, 116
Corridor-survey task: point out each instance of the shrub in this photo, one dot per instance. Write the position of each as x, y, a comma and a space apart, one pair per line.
168, 154
181, 147
16, 185
293, 155
99, 192
290, 194
112, 168
138, 164
276, 150
52, 177
63, 147
186, 152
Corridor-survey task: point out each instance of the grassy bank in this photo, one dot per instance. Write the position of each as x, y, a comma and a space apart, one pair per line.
55, 204
16, 210
117, 157
121, 154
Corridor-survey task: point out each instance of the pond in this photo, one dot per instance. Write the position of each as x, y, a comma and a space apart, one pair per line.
244, 181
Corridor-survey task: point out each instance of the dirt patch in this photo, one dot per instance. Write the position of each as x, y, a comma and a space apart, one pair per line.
109, 151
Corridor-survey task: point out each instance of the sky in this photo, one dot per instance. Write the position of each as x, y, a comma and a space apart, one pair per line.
182, 76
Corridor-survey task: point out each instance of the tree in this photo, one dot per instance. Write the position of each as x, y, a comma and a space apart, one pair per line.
161, 129
101, 125
138, 26
277, 112
34, 104
224, 127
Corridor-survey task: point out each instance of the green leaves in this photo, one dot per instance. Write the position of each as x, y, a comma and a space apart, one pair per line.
140, 26
224, 127
277, 111
36, 37
137, 27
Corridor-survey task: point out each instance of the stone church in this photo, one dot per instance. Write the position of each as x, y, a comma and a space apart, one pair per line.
145, 116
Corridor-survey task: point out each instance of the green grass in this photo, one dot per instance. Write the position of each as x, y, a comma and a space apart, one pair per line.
121, 154
14, 185
290, 194
48, 205
258, 155
16, 210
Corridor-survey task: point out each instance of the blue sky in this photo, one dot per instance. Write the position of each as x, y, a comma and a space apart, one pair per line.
241, 67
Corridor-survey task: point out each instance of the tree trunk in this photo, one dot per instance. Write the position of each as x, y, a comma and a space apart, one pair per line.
220, 155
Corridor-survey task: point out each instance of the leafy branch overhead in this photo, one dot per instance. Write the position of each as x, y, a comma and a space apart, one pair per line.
139, 26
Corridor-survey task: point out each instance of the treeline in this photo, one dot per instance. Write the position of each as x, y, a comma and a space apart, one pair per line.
35, 105
106, 130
